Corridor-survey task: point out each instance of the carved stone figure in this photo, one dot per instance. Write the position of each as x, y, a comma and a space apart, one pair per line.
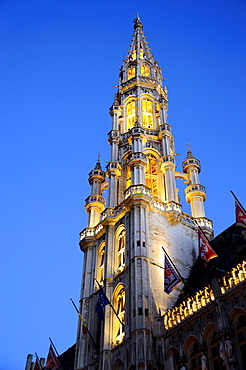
204, 362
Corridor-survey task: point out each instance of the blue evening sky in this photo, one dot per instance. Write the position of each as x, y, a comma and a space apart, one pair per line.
59, 66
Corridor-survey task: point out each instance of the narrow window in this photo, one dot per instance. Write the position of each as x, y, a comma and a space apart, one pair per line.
145, 70
151, 174
131, 114
147, 113
121, 251
101, 261
131, 72
120, 310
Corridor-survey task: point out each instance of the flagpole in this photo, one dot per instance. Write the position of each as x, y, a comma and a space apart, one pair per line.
181, 277
51, 342
238, 201
174, 265
83, 322
110, 304
39, 362
201, 230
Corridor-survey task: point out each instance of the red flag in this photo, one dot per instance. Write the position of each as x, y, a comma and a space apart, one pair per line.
52, 362
36, 365
205, 249
240, 215
171, 277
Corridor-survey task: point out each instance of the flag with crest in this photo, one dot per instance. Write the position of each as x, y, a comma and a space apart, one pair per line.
205, 249
101, 303
171, 277
240, 214
52, 362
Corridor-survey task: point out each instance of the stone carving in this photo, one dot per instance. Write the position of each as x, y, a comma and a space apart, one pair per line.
204, 362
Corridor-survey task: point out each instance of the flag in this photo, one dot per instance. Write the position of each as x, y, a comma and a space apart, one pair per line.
205, 249
84, 326
101, 303
171, 277
37, 365
52, 362
240, 214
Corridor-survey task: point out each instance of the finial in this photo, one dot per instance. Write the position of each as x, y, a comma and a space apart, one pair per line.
189, 153
98, 164
137, 22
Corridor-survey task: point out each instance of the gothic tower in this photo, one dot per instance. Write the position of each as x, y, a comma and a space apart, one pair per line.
124, 240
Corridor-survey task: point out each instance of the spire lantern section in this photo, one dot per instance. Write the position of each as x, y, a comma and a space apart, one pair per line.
123, 243
95, 203
195, 193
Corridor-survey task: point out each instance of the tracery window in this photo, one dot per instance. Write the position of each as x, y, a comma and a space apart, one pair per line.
151, 174
131, 72
100, 264
241, 338
147, 113
134, 54
120, 310
214, 352
145, 70
121, 255
131, 114
195, 357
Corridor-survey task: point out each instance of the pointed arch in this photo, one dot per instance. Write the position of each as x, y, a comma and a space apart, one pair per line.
238, 316
131, 72
118, 328
192, 352
100, 266
130, 112
147, 113
145, 70
151, 173
120, 248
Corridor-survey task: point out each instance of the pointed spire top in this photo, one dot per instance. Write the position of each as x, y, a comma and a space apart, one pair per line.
98, 164
189, 152
137, 22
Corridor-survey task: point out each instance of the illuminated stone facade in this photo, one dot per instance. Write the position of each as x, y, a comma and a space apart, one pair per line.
123, 241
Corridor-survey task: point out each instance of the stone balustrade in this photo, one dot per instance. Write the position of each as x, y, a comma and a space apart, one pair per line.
202, 297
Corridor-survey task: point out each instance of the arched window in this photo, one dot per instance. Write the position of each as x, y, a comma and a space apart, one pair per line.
147, 113
131, 114
214, 347
121, 251
100, 264
131, 72
195, 357
151, 174
145, 70
119, 320
241, 338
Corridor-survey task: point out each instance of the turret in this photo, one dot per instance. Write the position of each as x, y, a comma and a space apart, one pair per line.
194, 193
95, 203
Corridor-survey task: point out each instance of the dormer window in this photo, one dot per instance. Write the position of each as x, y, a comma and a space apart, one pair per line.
145, 70
131, 114
131, 72
147, 113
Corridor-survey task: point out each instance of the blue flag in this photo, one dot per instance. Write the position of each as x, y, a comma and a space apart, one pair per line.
101, 303
171, 278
